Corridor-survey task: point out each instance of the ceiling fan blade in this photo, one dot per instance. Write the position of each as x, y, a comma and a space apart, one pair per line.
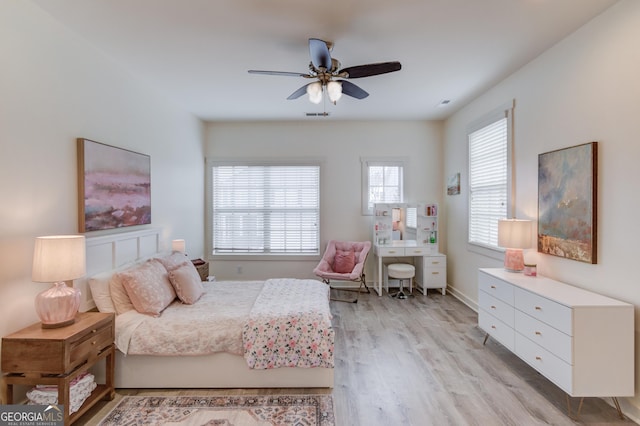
320, 56
301, 91
284, 73
370, 69
350, 89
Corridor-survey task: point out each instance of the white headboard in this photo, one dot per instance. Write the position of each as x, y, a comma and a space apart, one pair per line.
108, 252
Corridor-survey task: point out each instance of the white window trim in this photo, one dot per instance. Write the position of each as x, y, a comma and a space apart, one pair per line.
365, 163
504, 110
210, 162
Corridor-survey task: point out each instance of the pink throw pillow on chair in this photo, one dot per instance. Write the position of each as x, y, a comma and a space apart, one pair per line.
344, 261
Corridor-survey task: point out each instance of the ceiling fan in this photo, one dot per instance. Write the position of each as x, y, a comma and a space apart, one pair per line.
330, 77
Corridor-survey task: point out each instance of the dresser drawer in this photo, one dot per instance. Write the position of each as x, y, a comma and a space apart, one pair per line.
552, 313
551, 339
496, 288
549, 365
496, 308
497, 329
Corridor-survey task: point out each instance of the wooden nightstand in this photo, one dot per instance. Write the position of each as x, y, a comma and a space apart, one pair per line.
37, 356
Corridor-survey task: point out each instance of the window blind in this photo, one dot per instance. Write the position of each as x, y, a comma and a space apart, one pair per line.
265, 209
488, 181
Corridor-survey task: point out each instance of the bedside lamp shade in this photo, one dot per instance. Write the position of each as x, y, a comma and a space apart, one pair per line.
178, 245
57, 259
514, 235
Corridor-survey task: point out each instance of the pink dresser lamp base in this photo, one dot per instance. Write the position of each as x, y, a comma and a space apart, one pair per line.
513, 260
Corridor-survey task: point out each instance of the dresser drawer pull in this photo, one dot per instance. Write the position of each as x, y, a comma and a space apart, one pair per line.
435, 273
93, 343
538, 308
538, 358
94, 331
538, 333
391, 251
493, 286
435, 263
493, 326
493, 307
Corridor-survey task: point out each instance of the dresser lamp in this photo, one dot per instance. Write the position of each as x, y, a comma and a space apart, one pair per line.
57, 259
514, 235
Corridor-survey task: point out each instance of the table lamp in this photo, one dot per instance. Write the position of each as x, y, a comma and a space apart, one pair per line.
514, 235
57, 259
178, 245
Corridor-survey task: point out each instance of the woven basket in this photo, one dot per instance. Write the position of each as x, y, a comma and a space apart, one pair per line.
203, 270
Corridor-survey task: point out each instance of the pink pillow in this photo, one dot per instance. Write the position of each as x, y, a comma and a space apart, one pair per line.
344, 261
186, 281
173, 260
148, 287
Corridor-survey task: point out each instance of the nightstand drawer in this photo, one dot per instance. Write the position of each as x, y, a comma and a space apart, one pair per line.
90, 346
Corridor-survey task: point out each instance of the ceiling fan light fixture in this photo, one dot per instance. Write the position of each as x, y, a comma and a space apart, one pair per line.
314, 90
334, 90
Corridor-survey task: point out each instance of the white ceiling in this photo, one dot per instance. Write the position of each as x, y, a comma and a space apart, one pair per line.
198, 51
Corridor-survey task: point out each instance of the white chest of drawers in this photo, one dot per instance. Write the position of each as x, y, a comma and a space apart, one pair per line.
581, 341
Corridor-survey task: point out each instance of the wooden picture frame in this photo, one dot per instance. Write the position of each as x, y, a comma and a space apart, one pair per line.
114, 187
567, 202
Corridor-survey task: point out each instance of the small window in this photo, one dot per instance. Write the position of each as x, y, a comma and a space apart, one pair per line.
263, 209
490, 174
382, 182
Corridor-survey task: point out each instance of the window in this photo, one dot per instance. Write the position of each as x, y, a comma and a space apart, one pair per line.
263, 209
382, 182
489, 176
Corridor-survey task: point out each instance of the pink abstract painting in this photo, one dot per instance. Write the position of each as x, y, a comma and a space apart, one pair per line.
114, 187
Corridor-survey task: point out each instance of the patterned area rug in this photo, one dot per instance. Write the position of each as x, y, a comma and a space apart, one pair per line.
234, 410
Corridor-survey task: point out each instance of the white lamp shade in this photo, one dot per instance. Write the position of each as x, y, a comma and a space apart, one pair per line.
178, 245
59, 258
334, 90
314, 90
514, 233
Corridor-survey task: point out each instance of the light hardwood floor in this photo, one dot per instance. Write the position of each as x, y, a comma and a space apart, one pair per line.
421, 361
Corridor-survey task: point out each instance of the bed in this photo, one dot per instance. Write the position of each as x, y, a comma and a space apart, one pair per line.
255, 334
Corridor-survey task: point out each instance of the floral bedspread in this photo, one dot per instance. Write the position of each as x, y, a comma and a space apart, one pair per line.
290, 326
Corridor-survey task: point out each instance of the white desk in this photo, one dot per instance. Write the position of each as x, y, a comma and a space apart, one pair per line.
431, 267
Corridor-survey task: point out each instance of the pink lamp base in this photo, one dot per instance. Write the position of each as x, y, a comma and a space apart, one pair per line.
513, 260
57, 306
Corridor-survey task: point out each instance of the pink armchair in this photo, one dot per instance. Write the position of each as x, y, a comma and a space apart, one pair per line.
344, 261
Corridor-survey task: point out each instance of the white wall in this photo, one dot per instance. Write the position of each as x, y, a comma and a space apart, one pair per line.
55, 88
586, 88
339, 145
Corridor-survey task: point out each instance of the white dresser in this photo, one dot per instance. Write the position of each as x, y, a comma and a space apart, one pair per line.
581, 341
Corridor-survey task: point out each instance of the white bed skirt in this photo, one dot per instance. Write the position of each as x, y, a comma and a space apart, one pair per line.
221, 370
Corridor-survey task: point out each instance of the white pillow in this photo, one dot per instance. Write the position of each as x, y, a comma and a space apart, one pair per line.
99, 285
